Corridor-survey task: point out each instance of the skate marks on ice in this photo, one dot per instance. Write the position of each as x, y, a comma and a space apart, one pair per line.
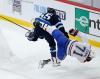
69, 69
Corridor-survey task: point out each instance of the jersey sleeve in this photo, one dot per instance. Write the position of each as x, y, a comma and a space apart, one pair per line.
83, 37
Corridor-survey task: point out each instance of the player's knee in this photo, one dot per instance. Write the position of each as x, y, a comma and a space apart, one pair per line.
53, 51
61, 53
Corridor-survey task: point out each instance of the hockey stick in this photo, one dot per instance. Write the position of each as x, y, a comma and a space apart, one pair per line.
14, 23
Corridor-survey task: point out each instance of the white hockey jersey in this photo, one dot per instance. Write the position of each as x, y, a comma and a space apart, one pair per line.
80, 50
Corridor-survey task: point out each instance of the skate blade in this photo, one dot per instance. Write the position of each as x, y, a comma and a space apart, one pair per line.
40, 64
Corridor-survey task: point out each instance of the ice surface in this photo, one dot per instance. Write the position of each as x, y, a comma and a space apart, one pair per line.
30, 53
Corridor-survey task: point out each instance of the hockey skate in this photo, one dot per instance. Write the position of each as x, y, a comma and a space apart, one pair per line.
54, 62
42, 63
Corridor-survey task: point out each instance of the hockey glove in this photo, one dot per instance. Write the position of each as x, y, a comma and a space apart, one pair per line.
73, 32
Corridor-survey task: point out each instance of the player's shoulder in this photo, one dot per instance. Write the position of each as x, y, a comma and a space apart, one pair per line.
57, 17
42, 15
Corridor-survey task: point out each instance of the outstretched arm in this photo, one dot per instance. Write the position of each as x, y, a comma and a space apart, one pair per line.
83, 37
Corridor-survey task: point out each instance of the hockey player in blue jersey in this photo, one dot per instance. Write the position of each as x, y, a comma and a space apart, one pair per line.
54, 20
82, 51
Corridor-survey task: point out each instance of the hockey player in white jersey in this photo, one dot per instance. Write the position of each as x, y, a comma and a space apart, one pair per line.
86, 46
82, 51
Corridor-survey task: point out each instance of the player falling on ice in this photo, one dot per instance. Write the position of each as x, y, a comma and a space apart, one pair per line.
51, 17
82, 51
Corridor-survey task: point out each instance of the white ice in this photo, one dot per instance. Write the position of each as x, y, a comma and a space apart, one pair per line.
28, 54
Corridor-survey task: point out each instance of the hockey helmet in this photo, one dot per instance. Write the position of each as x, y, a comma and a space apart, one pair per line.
51, 10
